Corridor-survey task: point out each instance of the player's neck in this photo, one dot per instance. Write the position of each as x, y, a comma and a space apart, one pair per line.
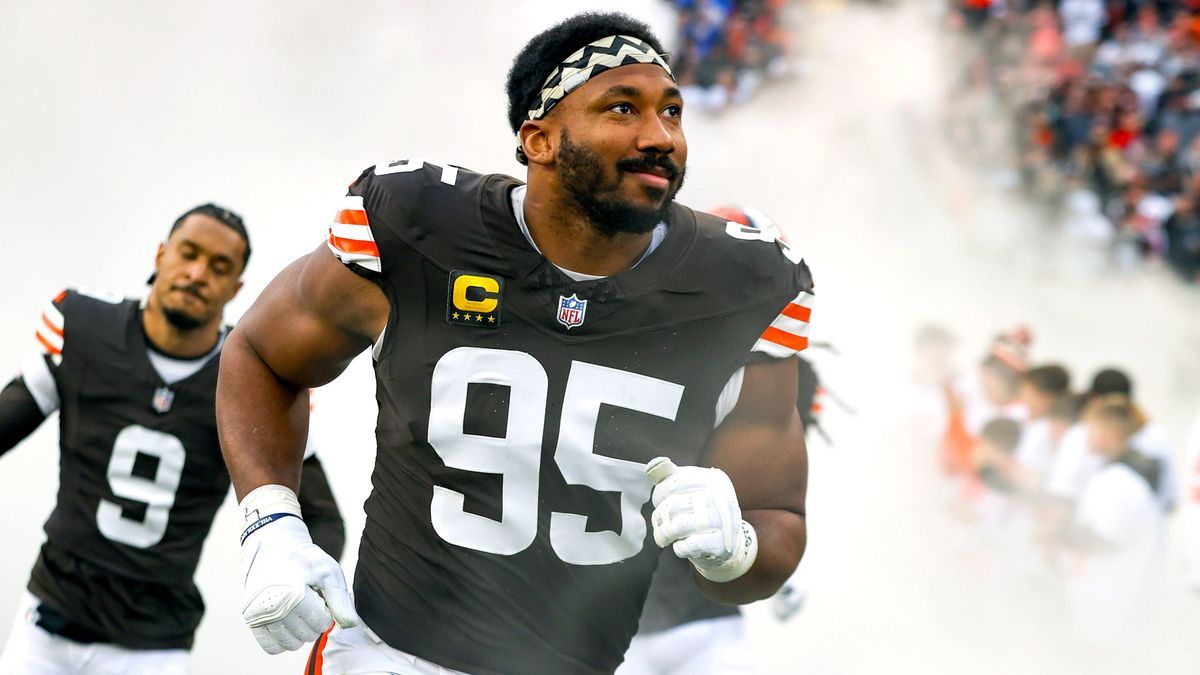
568, 239
167, 338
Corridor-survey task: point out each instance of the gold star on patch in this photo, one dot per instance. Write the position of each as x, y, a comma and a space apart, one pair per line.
455, 315
479, 317
491, 319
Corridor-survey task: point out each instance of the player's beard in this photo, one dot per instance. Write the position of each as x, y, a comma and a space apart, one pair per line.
582, 174
182, 320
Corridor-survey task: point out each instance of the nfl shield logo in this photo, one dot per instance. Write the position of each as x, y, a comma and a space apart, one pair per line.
163, 398
571, 310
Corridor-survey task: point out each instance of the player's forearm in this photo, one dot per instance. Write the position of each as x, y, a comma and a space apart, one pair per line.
782, 537
262, 420
20, 414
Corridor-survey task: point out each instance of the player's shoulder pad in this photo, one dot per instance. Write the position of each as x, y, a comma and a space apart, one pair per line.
393, 189
72, 308
757, 262
399, 202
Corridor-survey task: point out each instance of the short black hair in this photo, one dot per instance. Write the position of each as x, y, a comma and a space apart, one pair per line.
1111, 381
548, 49
1052, 379
1005, 433
222, 215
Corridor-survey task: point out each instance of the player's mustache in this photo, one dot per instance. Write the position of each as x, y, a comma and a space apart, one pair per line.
191, 289
655, 161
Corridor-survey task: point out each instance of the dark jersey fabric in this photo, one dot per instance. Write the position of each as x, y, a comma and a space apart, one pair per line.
131, 584
681, 321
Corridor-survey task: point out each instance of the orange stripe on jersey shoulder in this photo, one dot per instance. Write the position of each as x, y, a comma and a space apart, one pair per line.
61, 294
53, 329
351, 217
353, 246
797, 312
785, 339
49, 347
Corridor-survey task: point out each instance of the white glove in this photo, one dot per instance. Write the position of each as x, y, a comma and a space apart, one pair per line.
696, 512
292, 587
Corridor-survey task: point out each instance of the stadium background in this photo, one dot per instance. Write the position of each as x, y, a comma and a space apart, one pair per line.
117, 116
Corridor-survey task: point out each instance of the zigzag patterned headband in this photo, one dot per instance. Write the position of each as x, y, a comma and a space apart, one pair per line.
603, 54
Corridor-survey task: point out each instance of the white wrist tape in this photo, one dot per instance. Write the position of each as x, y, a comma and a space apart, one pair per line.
266, 504
745, 552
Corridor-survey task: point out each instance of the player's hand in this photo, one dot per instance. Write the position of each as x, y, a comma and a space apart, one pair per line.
696, 513
293, 590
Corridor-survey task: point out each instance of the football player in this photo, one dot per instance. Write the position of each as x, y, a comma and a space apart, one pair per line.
140, 473
536, 346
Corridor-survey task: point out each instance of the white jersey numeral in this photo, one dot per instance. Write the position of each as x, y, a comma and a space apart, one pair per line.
517, 456
158, 494
449, 173
588, 387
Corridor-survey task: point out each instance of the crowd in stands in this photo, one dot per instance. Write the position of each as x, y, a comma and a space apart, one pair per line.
726, 49
1072, 483
1106, 99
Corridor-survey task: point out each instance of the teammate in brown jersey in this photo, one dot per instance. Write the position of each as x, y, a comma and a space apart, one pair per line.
140, 472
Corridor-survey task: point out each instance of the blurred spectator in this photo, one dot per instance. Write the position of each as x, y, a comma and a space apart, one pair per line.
971, 405
995, 461
1115, 123
726, 48
1082, 21
1039, 390
1118, 525
1074, 465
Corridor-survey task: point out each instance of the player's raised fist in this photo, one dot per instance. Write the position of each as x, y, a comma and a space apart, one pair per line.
696, 512
294, 591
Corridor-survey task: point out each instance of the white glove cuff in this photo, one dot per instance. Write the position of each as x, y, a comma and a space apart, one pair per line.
266, 504
745, 552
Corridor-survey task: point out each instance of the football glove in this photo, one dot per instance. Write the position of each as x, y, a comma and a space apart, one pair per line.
696, 513
293, 591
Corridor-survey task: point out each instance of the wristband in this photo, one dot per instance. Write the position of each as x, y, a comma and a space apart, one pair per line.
266, 504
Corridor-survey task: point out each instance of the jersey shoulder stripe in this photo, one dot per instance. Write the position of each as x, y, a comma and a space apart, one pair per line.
51, 328
788, 333
350, 237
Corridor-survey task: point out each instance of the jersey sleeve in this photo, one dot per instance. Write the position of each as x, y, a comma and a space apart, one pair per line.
378, 212
31, 396
350, 237
40, 367
787, 335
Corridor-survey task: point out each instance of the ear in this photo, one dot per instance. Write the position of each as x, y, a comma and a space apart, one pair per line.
537, 142
162, 250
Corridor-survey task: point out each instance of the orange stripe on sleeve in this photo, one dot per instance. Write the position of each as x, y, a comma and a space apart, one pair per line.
353, 245
798, 312
61, 294
49, 347
351, 217
784, 338
53, 329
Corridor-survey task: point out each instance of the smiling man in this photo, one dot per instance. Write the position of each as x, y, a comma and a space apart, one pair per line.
540, 348
140, 473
